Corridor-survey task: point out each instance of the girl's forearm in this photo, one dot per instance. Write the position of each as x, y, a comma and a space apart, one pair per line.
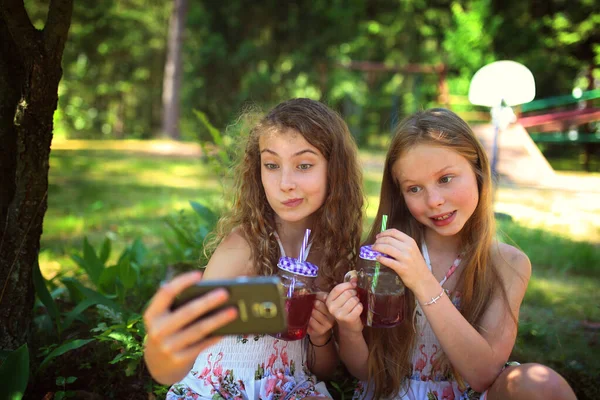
354, 353
323, 358
468, 351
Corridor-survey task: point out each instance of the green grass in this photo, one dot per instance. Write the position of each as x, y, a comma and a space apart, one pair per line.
117, 194
125, 194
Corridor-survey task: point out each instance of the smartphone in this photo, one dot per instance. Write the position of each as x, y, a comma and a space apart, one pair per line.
260, 302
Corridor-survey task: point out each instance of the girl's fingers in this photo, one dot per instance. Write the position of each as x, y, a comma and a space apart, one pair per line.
394, 233
162, 300
193, 310
322, 318
339, 290
322, 296
343, 313
338, 301
200, 330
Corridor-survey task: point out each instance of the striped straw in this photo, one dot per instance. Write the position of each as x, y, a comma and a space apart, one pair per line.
302, 256
377, 265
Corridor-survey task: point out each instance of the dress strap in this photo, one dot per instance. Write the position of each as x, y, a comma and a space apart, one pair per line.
306, 251
453, 267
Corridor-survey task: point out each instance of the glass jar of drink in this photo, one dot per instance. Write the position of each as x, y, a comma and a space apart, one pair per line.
382, 297
298, 280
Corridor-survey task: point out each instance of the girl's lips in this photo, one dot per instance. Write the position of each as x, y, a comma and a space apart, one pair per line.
292, 203
447, 219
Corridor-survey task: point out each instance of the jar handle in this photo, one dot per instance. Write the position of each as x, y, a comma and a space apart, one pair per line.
350, 275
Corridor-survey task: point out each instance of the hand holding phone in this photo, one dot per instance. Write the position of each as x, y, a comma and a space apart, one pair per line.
175, 338
259, 301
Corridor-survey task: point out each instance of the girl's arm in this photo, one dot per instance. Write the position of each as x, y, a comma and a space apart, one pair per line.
322, 354
344, 305
173, 339
477, 354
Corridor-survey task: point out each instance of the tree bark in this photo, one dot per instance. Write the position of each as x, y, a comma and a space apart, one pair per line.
30, 70
173, 71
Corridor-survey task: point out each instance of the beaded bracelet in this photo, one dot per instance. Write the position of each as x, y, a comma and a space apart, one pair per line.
434, 299
322, 345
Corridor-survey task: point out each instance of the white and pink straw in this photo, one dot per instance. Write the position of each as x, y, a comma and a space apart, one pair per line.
303, 254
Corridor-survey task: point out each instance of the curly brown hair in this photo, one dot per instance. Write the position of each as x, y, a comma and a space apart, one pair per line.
338, 222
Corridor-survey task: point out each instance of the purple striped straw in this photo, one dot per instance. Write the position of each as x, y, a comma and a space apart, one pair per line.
302, 257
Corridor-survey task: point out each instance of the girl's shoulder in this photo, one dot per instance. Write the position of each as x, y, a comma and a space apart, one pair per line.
232, 257
511, 262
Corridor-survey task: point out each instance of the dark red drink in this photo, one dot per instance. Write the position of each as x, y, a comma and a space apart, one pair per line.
387, 309
298, 309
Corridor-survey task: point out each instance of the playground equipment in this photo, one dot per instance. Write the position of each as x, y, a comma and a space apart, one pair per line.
501, 85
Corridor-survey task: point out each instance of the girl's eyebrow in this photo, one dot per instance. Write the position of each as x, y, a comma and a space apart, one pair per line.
404, 181
294, 155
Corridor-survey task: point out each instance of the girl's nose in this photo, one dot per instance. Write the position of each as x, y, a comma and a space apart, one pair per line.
435, 198
287, 180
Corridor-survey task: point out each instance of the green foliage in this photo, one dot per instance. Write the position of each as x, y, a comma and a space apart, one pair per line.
234, 55
190, 231
62, 349
117, 295
125, 338
14, 373
62, 383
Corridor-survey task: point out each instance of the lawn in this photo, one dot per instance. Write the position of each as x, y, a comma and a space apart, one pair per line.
127, 190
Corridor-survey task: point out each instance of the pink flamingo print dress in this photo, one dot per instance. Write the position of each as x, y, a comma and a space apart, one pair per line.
250, 367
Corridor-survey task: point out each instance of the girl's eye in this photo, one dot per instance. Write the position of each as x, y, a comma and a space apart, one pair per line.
270, 166
446, 179
414, 189
304, 167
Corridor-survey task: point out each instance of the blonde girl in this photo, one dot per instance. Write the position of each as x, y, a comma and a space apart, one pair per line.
465, 287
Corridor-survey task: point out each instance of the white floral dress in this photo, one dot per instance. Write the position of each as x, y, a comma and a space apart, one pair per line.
250, 367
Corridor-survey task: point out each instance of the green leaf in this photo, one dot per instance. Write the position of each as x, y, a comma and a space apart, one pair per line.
60, 381
105, 252
120, 337
108, 279
205, 213
93, 263
214, 132
182, 236
71, 379
42, 291
132, 367
90, 296
128, 273
14, 373
138, 251
65, 347
77, 312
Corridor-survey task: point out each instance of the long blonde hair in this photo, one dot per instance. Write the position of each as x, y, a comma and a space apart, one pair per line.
391, 350
338, 222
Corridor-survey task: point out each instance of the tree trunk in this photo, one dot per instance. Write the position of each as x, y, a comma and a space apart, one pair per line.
173, 71
30, 70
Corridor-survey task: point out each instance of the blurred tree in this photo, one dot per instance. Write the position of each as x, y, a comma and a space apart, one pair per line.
555, 39
114, 62
30, 69
235, 54
173, 71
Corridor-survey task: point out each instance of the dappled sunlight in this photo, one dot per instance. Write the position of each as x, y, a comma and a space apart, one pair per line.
570, 214
574, 297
